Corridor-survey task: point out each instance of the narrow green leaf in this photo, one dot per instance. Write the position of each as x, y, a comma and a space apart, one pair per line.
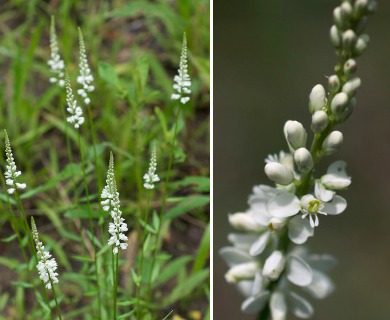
186, 205
203, 251
171, 269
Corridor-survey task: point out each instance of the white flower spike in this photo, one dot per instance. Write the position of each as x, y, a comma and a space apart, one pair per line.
182, 80
151, 177
11, 174
57, 66
76, 113
85, 77
47, 265
111, 203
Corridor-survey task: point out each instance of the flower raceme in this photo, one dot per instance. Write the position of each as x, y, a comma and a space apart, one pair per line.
85, 77
151, 177
57, 66
182, 80
11, 174
76, 113
111, 204
47, 265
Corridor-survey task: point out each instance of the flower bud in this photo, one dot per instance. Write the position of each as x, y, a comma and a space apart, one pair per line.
350, 67
338, 18
339, 103
363, 7
335, 37
332, 143
319, 121
274, 265
317, 98
276, 224
347, 111
346, 10
351, 86
295, 134
303, 159
279, 173
334, 83
349, 40
242, 271
244, 222
361, 44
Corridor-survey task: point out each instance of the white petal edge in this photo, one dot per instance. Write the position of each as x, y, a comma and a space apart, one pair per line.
278, 306
299, 272
253, 305
259, 246
284, 205
336, 206
300, 306
321, 286
299, 230
234, 256
322, 193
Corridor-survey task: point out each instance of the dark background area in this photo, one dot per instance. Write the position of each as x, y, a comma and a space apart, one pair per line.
267, 57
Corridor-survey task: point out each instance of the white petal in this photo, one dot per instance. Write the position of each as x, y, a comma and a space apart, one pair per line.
244, 222
322, 193
234, 256
245, 287
259, 246
299, 230
336, 206
299, 272
253, 305
284, 205
323, 262
278, 306
243, 271
321, 286
242, 241
300, 306
257, 284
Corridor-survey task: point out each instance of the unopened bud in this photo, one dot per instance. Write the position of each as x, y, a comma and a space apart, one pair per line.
319, 121
363, 7
351, 86
274, 265
361, 44
279, 173
350, 67
333, 84
295, 134
241, 272
303, 160
317, 98
346, 10
335, 37
244, 222
332, 143
339, 20
339, 103
348, 109
349, 40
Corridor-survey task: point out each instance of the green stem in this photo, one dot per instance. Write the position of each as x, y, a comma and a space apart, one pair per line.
140, 272
90, 221
55, 299
116, 283
164, 199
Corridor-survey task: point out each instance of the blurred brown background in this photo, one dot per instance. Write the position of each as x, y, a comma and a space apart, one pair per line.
267, 57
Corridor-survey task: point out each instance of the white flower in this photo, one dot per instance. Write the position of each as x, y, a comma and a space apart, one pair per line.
151, 177
11, 174
336, 177
46, 264
56, 64
85, 77
287, 205
76, 113
182, 80
111, 203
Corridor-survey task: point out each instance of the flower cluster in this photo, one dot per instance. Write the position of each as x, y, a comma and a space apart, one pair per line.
183, 81
56, 64
267, 260
151, 177
76, 113
46, 264
111, 204
11, 174
85, 77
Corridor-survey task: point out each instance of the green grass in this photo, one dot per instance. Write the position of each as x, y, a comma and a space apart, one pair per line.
133, 48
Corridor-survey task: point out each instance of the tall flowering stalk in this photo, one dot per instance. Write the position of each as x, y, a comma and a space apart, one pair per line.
151, 177
267, 260
182, 84
76, 113
57, 66
46, 266
110, 202
85, 77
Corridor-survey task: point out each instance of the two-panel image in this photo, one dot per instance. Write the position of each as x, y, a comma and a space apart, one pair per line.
194, 160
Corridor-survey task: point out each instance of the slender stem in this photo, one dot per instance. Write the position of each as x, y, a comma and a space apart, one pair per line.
140, 272
164, 199
90, 221
116, 283
55, 298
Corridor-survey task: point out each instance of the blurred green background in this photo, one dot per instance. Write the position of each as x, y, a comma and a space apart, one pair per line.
267, 57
